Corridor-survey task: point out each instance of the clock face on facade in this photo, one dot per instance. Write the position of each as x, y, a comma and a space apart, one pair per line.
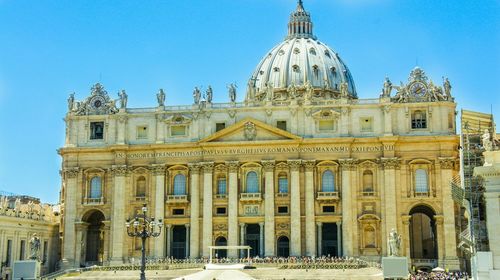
97, 102
418, 89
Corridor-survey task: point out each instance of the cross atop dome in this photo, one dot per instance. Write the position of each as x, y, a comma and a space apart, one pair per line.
300, 25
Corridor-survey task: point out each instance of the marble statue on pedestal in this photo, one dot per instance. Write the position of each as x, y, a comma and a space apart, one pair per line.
394, 243
34, 247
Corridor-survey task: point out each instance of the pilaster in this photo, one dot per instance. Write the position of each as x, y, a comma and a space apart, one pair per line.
118, 213
208, 168
70, 179
389, 211
349, 209
194, 171
309, 207
295, 227
159, 175
269, 208
232, 213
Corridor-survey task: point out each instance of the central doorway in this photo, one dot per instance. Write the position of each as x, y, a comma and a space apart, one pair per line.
252, 239
329, 245
283, 246
220, 241
179, 245
95, 241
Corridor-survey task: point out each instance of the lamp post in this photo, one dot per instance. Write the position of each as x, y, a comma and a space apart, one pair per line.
144, 227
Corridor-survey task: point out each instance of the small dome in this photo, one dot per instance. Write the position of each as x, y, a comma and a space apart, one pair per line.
301, 61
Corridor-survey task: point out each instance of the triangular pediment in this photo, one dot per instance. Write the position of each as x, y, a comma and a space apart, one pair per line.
250, 130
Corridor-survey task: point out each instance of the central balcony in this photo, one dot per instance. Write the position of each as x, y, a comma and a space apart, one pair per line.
177, 199
93, 201
328, 196
250, 197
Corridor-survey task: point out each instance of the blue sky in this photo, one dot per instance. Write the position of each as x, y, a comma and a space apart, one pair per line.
49, 49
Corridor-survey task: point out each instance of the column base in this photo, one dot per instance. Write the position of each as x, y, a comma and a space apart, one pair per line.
451, 263
116, 261
67, 264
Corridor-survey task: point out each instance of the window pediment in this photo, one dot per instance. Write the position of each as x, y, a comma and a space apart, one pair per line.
326, 114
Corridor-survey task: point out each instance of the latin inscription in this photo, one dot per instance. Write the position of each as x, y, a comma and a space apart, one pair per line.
254, 151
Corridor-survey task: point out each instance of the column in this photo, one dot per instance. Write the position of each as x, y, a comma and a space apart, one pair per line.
309, 207
242, 237
269, 208
118, 214
261, 239
295, 228
339, 238
81, 241
450, 251
207, 207
187, 238
320, 238
70, 178
439, 220
107, 244
159, 175
349, 209
389, 210
194, 171
406, 237
168, 233
232, 212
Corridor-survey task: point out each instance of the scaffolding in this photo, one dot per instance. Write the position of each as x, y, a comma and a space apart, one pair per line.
468, 189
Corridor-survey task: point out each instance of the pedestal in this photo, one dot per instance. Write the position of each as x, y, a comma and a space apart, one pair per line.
395, 267
26, 270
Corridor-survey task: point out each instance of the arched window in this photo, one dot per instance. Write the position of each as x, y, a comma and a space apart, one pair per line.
95, 187
252, 182
328, 181
282, 183
179, 184
367, 181
421, 183
221, 186
140, 187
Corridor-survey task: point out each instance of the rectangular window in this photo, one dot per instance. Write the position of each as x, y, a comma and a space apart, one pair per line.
142, 132
9, 252
178, 130
221, 210
283, 185
281, 125
451, 121
22, 250
282, 209
329, 209
219, 126
221, 186
366, 124
178, 211
418, 120
96, 130
326, 125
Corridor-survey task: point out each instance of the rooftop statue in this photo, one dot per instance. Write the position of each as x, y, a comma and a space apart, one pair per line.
123, 99
486, 139
386, 90
209, 94
232, 92
160, 97
196, 95
71, 101
447, 88
343, 89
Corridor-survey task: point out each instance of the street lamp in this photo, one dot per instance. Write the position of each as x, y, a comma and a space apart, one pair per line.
144, 227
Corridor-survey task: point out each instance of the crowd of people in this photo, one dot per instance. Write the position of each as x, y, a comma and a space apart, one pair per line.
439, 275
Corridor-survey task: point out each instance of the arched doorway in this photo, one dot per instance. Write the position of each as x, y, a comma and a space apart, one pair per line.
283, 246
179, 242
423, 236
221, 241
95, 240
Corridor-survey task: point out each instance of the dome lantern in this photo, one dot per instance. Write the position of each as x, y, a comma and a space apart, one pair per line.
300, 24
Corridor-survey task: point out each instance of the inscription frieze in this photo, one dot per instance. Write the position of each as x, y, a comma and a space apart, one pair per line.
254, 151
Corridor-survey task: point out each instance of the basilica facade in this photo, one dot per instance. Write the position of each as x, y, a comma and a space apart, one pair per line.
301, 167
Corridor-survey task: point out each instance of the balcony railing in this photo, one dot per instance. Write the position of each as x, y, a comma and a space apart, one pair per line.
328, 196
172, 199
220, 196
282, 195
89, 200
369, 194
250, 197
421, 194
140, 198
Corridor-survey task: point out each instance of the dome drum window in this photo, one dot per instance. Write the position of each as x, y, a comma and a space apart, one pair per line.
295, 68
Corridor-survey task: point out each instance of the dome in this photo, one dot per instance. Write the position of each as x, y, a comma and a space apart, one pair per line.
299, 63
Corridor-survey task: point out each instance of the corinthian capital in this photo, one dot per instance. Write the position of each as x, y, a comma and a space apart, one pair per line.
348, 164
208, 167
294, 164
158, 169
71, 172
268, 165
446, 162
194, 168
233, 166
119, 170
309, 164
390, 163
